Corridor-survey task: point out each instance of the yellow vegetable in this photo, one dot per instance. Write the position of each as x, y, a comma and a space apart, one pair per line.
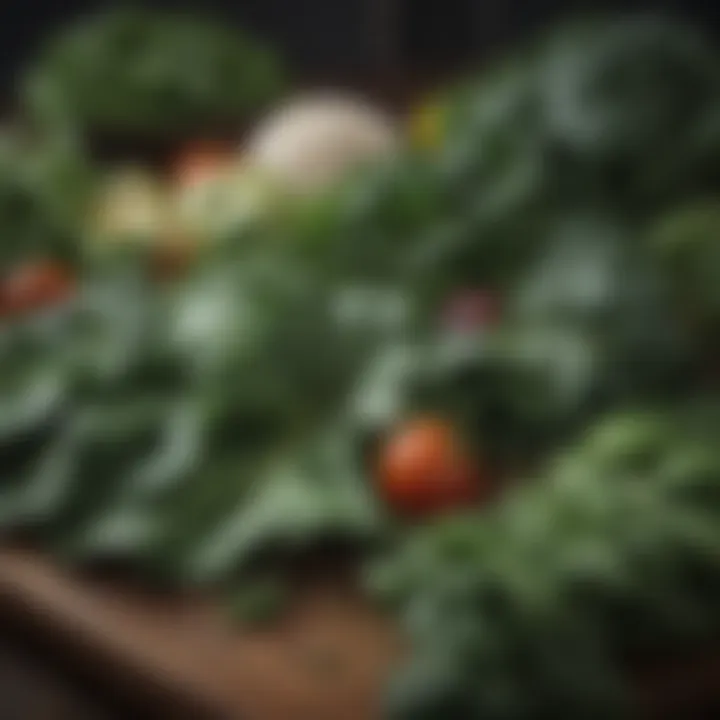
427, 126
132, 207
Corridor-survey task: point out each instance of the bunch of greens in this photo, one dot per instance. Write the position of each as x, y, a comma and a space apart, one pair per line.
45, 186
132, 71
617, 118
684, 239
183, 431
536, 608
588, 326
581, 179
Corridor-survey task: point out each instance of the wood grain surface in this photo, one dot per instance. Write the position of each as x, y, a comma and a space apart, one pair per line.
183, 658
326, 659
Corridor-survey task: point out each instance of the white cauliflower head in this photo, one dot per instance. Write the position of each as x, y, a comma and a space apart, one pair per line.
312, 142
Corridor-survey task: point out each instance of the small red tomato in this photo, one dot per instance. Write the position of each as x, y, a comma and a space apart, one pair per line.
425, 468
471, 310
35, 286
200, 161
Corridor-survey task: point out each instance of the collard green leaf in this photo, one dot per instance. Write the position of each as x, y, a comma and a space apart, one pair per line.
305, 496
626, 90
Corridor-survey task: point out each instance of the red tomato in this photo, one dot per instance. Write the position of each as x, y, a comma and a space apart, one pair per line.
34, 286
200, 161
471, 310
425, 468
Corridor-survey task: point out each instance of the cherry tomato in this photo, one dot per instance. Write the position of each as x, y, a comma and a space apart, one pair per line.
471, 310
425, 468
199, 162
35, 286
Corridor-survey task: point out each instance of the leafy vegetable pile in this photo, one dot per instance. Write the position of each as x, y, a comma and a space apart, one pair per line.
535, 296
43, 191
139, 71
609, 556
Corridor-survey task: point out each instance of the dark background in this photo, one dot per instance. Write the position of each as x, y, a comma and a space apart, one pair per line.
337, 38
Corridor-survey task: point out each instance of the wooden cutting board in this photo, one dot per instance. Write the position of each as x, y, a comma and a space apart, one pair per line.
184, 658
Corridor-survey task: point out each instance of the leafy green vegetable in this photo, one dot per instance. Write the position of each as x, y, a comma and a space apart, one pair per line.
170, 412
44, 189
311, 494
141, 71
567, 575
685, 241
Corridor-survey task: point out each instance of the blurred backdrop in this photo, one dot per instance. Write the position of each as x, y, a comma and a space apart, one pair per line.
373, 41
